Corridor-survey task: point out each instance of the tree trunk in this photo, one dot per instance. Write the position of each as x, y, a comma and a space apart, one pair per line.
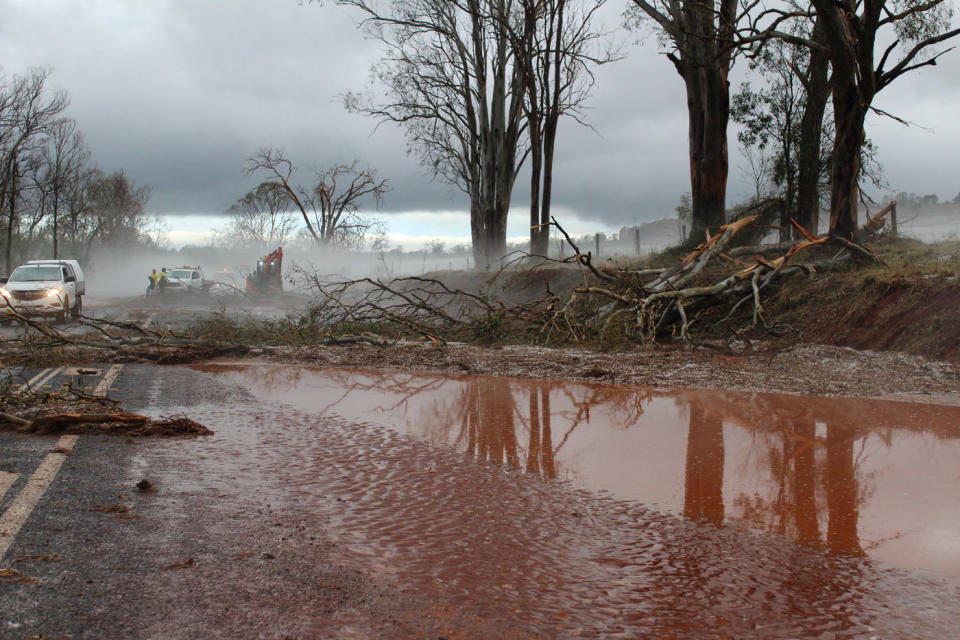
708, 105
849, 114
549, 144
56, 215
478, 235
538, 239
11, 218
817, 89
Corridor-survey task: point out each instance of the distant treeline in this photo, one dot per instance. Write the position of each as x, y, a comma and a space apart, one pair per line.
54, 200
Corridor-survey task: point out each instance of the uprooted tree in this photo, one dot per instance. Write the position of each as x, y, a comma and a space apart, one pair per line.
643, 306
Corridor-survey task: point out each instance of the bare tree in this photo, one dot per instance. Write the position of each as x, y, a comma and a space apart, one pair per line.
28, 111
556, 47
65, 159
451, 81
264, 216
331, 207
114, 212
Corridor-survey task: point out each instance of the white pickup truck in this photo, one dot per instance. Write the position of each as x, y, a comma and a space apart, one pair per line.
185, 279
44, 288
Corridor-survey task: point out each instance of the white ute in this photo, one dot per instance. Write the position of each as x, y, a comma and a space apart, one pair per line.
44, 288
186, 278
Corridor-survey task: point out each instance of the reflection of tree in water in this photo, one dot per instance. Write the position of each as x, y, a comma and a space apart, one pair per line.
402, 386
540, 453
703, 493
493, 424
487, 423
818, 485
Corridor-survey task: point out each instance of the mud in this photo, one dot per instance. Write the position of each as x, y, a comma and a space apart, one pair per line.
805, 368
686, 514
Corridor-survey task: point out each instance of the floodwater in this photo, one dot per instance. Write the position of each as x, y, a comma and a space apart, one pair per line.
684, 513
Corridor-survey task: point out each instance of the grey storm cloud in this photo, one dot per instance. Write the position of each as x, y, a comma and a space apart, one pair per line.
179, 93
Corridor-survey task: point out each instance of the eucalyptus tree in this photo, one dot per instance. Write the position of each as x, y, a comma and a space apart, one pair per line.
853, 31
556, 46
703, 42
450, 79
115, 212
785, 116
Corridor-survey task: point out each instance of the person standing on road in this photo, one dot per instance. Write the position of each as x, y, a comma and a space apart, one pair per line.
154, 277
162, 281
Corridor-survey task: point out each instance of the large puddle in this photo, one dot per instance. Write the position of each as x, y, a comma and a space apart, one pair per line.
858, 477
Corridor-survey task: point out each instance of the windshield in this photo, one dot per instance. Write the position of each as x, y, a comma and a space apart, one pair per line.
180, 274
35, 274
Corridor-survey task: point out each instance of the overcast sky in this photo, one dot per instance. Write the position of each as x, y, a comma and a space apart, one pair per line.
178, 93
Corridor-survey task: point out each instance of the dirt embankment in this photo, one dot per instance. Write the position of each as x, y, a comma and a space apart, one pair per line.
917, 314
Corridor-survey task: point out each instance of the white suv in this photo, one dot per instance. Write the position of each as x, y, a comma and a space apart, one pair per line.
44, 288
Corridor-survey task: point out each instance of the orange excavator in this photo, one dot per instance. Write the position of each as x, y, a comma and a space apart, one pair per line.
267, 276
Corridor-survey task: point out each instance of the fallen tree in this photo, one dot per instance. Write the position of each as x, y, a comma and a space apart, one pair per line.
716, 290
644, 305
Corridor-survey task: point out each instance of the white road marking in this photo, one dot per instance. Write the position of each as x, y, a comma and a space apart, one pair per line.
146, 323
107, 380
19, 512
34, 379
41, 378
121, 317
6, 481
21, 508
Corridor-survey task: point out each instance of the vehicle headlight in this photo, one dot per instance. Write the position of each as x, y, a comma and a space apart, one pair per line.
4, 293
54, 292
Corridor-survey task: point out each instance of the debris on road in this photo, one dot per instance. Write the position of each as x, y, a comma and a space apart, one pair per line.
39, 558
116, 423
12, 575
186, 564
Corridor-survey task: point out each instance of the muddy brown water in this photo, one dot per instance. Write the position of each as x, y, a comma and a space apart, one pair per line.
684, 513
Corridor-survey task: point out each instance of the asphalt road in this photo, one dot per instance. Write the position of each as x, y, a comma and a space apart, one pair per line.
173, 311
203, 556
